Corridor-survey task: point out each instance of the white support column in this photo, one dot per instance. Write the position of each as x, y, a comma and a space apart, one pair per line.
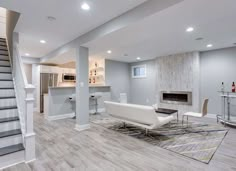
82, 89
29, 137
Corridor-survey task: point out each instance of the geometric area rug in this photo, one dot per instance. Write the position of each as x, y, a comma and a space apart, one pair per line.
198, 141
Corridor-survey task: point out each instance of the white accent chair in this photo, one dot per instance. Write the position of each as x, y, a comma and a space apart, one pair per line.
138, 115
197, 115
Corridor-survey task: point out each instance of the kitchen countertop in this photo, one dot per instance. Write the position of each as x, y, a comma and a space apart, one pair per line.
91, 86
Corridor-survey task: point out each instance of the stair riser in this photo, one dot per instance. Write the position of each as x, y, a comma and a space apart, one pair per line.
8, 113
2, 43
4, 57
4, 52
5, 69
8, 126
7, 93
7, 102
3, 48
4, 63
6, 84
5, 76
11, 140
10, 159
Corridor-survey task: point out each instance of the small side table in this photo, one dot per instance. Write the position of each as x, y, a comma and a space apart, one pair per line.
168, 112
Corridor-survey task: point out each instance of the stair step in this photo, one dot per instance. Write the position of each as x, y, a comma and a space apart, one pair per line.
10, 133
3, 49
7, 93
11, 149
8, 113
5, 60
9, 97
4, 63
9, 139
7, 76
4, 57
8, 126
6, 88
3, 52
8, 107
5, 69
6, 84
6, 80
9, 119
7, 102
5, 66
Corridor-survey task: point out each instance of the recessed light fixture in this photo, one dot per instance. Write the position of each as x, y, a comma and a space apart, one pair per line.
209, 45
27, 54
138, 58
109, 51
42, 41
190, 29
51, 18
199, 38
85, 7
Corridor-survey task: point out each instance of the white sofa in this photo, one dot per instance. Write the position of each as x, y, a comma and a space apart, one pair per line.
138, 115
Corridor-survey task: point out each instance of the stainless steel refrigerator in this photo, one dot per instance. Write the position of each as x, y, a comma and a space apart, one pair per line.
46, 80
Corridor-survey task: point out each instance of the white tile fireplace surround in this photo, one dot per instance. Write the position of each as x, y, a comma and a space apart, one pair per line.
179, 72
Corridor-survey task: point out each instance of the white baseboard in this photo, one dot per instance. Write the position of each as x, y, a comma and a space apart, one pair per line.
99, 110
82, 127
58, 117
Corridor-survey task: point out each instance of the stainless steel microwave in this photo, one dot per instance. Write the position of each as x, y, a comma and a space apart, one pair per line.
68, 77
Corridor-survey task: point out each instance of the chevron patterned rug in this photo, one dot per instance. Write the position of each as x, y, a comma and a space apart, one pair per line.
196, 140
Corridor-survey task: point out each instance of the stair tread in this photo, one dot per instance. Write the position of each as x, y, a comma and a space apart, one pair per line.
5, 72
6, 88
6, 80
10, 133
8, 107
7, 97
7, 60
11, 149
5, 66
10, 119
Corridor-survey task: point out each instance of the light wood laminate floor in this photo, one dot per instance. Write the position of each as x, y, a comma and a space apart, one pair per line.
60, 147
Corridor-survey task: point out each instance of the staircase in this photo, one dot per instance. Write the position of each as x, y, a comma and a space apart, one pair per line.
12, 150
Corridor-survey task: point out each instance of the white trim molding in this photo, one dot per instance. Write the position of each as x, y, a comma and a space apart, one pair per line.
82, 127
59, 117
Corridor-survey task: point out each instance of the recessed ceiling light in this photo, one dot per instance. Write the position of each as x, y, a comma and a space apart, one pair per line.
51, 18
138, 58
27, 54
189, 29
209, 45
199, 38
109, 51
85, 7
42, 41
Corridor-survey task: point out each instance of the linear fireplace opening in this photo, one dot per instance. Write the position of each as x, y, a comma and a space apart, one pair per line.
176, 97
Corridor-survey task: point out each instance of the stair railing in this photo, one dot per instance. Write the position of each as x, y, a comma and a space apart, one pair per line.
25, 103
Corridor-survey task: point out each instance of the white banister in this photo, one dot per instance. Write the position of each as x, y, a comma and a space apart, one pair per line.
25, 101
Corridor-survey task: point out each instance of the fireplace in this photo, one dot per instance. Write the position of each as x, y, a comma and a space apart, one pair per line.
176, 97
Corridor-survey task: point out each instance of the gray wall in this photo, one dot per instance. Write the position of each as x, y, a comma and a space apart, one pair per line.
11, 20
117, 76
28, 72
217, 66
143, 90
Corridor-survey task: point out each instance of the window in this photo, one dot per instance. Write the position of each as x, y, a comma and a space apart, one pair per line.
139, 71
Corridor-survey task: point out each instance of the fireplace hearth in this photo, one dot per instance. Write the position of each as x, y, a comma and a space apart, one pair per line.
176, 97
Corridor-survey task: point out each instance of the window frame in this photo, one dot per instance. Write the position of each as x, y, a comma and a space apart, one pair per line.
139, 66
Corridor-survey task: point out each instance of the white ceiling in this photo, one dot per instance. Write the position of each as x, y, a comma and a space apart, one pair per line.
2, 22
70, 23
164, 33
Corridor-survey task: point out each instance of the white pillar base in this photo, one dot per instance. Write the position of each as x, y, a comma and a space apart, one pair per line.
30, 147
82, 127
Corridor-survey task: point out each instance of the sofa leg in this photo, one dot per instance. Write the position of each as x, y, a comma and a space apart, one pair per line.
146, 131
182, 120
124, 125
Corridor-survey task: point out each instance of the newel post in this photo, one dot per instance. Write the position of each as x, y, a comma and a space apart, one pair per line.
29, 137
